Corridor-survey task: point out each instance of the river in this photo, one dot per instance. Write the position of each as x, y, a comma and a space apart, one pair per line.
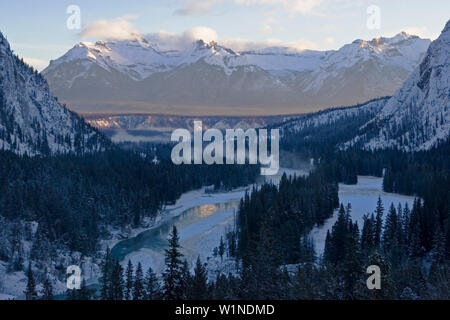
203, 218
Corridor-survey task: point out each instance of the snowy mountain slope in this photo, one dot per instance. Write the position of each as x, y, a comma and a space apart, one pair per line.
31, 120
417, 117
138, 59
136, 72
329, 117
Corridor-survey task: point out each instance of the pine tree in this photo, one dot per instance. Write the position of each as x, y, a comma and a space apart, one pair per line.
117, 284
438, 251
152, 290
47, 291
304, 286
368, 235
306, 250
337, 240
351, 264
231, 244
186, 280
199, 290
128, 281
221, 248
390, 228
173, 289
138, 289
379, 211
107, 267
405, 225
327, 252
414, 231
30, 292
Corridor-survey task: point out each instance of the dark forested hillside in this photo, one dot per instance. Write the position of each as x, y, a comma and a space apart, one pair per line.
76, 200
280, 215
315, 134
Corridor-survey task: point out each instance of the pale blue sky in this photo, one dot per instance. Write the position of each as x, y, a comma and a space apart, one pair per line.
37, 29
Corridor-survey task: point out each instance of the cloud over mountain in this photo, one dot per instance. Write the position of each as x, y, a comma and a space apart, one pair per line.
114, 29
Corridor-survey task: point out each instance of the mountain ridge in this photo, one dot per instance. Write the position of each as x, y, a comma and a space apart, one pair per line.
417, 117
136, 72
32, 121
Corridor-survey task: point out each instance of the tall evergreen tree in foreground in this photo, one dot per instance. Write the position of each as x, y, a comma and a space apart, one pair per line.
128, 281
379, 211
30, 292
152, 289
117, 282
47, 291
221, 248
173, 280
199, 289
107, 267
138, 289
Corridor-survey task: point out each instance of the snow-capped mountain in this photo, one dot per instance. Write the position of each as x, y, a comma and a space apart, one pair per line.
135, 75
417, 117
31, 120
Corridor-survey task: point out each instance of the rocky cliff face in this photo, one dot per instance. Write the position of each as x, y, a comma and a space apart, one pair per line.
417, 117
31, 120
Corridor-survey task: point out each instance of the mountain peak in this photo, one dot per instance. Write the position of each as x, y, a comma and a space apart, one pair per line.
447, 27
391, 41
32, 121
417, 117
4, 44
137, 71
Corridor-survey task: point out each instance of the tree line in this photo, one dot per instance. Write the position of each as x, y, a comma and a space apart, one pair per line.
67, 203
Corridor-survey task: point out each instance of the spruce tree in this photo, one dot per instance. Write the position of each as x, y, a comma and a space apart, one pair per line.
30, 292
107, 267
438, 250
138, 289
152, 289
47, 291
304, 286
117, 283
128, 281
221, 248
327, 252
337, 240
391, 231
415, 232
173, 287
199, 289
405, 225
368, 235
186, 280
351, 264
379, 211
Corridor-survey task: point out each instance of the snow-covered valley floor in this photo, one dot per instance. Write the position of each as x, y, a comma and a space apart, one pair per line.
202, 220
363, 197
